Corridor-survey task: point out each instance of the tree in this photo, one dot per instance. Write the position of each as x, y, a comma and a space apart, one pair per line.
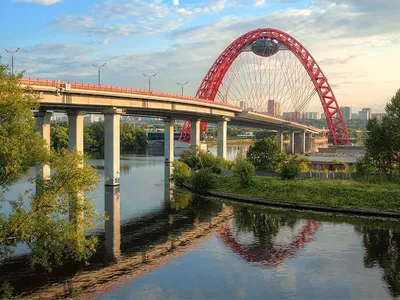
265, 155
41, 220
382, 140
59, 136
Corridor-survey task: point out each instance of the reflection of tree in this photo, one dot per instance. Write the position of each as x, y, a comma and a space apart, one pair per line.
382, 248
263, 226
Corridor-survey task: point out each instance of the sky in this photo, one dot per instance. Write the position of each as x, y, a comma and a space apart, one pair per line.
355, 42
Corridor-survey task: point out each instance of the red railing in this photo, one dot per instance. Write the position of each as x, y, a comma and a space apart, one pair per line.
114, 89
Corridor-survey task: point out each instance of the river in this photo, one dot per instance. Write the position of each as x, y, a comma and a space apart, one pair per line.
180, 246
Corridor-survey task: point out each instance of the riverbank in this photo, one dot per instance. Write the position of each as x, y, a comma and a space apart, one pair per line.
349, 194
232, 142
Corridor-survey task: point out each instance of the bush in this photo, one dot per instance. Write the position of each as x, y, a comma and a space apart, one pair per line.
365, 167
243, 171
290, 170
191, 157
181, 173
303, 167
203, 180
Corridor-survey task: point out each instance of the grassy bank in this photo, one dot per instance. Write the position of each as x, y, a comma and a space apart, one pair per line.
232, 142
333, 193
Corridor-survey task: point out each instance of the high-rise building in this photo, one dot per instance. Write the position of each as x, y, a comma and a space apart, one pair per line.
277, 109
346, 112
355, 116
291, 116
312, 115
365, 114
271, 107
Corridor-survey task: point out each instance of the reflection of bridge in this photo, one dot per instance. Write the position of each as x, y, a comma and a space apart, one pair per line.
271, 256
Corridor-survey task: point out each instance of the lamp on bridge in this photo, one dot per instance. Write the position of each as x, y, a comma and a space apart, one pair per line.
149, 76
182, 84
12, 59
98, 71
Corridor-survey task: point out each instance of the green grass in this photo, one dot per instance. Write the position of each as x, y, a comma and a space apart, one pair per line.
383, 196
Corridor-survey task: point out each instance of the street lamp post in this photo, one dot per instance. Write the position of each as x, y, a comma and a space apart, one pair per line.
149, 76
182, 84
98, 71
12, 59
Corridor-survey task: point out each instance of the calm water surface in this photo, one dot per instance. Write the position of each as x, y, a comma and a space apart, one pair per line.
258, 253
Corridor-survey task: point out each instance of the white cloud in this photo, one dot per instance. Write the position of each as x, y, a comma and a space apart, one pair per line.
259, 2
176, 2
43, 2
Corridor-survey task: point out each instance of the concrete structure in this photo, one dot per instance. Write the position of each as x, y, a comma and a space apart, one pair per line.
302, 142
222, 137
291, 137
112, 102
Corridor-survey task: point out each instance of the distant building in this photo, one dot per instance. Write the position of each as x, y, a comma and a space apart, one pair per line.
322, 116
378, 116
365, 114
277, 109
312, 115
271, 107
242, 105
92, 118
355, 116
346, 112
291, 116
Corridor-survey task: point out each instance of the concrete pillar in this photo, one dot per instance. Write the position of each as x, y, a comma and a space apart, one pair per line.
302, 142
280, 141
112, 147
222, 128
291, 133
168, 153
43, 127
75, 131
309, 142
113, 224
195, 132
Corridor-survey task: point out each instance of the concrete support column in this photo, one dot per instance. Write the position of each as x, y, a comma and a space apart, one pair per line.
280, 141
302, 142
112, 147
222, 128
75, 131
43, 127
195, 132
168, 153
309, 142
291, 133
113, 224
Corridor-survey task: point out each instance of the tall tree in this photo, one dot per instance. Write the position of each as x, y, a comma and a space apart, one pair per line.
41, 220
265, 155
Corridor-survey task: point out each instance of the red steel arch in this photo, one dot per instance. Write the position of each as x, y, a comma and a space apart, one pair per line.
212, 81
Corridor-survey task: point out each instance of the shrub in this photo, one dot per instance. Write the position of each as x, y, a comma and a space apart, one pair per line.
243, 171
181, 173
221, 164
303, 167
191, 157
365, 167
203, 180
290, 170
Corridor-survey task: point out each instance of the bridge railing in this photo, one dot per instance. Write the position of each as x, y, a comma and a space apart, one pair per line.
114, 89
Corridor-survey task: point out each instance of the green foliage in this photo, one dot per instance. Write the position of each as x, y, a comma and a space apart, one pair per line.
191, 157
382, 140
243, 171
94, 137
132, 137
262, 134
303, 167
6, 291
181, 173
365, 167
59, 136
20, 146
290, 170
203, 180
41, 220
265, 155
197, 159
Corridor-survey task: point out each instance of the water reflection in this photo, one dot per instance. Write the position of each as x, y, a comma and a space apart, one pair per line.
113, 222
267, 239
382, 249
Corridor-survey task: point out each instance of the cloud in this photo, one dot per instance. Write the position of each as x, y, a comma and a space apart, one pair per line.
176, 2
43, 2
259, 3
